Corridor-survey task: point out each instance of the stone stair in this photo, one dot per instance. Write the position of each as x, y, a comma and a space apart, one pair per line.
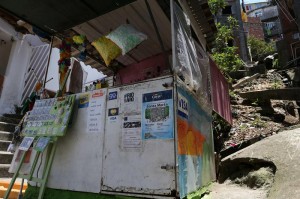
14, 194
7, 127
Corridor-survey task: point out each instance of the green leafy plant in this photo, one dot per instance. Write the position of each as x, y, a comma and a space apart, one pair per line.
216, 5
232, 94
243, 127
275, 63
259, 48
257, 122
276, 84
255, 102
225, 56
228, 60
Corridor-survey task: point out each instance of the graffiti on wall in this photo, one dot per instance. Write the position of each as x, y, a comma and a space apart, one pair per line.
195, 144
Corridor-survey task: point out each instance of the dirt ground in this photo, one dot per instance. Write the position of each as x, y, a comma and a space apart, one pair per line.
259, 119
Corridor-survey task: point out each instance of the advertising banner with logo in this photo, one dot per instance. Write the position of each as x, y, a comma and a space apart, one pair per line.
157, 115
195, 143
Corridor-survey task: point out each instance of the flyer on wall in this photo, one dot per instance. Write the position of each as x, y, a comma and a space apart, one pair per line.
157, 118
131, 132
95, 111
129, 102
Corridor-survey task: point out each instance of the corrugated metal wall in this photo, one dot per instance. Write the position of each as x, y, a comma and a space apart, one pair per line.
220, 93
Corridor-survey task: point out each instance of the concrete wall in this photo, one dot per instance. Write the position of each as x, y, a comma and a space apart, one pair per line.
5, 47
146, 69
14, 76
253, 6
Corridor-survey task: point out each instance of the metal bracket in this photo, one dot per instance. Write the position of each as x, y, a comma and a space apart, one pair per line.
168, 167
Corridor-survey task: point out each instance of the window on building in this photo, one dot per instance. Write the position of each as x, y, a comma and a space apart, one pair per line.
227, 10
258, 14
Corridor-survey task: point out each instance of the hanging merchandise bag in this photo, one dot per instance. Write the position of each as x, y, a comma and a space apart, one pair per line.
107, 49
126, 37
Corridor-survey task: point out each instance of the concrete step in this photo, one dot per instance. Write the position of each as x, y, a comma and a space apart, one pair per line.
9, 120
4, 182
7, 127
14, 194
6, 157
4, 171
4, 135
15, 116
4, 145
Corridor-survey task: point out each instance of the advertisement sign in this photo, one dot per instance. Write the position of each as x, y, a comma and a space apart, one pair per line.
131, 132
42, 143
157, 115
95, 111
26, 143
113, 95
84, 100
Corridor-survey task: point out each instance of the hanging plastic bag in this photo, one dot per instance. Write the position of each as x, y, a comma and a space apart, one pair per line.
107, 49
126, 37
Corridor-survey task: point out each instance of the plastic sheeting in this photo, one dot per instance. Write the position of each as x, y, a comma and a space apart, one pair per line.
191, 62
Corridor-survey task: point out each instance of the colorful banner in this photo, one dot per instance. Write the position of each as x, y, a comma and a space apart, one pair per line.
157, 115
195, 144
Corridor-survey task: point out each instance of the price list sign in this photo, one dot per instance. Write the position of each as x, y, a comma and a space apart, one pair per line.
95, 110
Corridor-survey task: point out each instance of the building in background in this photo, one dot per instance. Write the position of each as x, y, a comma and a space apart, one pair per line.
254, 27
269, 17
254, 6
233, 8
289, 46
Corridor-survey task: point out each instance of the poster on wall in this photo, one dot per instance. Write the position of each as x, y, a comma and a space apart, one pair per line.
113, 115
42, 143
84, 100
131, 132
157, 115
95, 111
26, 143
129, 102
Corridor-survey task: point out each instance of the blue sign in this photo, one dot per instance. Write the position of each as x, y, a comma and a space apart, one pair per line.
157, 119
113, 95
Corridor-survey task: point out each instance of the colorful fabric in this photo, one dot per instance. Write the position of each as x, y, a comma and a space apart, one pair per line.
126, 37
107, 49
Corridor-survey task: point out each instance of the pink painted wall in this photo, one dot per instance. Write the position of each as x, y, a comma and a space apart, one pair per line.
220, 93
152, 67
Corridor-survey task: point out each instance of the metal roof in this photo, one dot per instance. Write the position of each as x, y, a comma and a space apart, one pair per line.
58, 15
94, 19
137, 15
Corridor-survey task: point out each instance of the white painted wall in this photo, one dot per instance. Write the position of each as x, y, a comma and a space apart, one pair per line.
136, 170
77, 163
5, 47
14, 76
